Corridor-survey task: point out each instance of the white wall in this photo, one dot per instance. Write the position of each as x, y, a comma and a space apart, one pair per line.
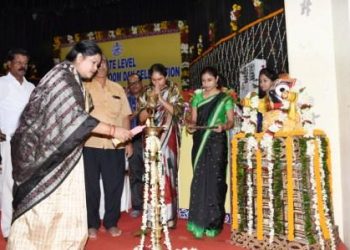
318, 53
341, 24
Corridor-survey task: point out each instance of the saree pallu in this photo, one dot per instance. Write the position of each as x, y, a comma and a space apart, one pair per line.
58, 222
47, 146
209, 161
170, 143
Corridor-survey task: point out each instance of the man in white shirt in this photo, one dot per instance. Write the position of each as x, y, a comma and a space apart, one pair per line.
15, 91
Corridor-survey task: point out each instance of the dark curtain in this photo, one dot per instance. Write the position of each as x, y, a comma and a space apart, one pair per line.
31, 24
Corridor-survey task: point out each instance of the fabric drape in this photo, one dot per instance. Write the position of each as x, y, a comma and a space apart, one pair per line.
209, 161
48, 142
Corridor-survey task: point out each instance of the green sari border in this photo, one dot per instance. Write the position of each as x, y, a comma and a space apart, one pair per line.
212, 120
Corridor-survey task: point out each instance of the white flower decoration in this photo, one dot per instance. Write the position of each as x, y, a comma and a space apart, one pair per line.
156, 27
134, 30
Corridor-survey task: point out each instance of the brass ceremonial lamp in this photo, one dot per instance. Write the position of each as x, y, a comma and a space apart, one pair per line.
151, 129
152, 133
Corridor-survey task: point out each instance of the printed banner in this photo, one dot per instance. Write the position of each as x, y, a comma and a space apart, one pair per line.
138, 54
135, 49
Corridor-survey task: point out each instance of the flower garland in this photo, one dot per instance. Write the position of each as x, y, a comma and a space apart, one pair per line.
306, 195
163, 208
325, 164
290, 187
234, 16
266, 145
315, 179
325, 196
257, 3
145, 199
154, 172
234, 191
259, 196
259, 8
251, 148
277, 186
154, 193
310, 149
250, 113
240, 184
200, 45
271, 196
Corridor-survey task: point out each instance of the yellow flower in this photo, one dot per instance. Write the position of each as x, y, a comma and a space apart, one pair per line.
118, 31
236, 7
56, 43
257, 3
164, 25
77, 37
234, 26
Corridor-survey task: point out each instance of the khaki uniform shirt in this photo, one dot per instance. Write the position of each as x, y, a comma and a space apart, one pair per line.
110, 105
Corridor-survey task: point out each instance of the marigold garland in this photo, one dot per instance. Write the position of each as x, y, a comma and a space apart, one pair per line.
320, 210
234, 185
290, 187
329, 165
259, 184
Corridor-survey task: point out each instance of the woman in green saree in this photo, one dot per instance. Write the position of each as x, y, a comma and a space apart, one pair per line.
212, 117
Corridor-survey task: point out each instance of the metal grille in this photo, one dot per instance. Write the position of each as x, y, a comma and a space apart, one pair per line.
264, 40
